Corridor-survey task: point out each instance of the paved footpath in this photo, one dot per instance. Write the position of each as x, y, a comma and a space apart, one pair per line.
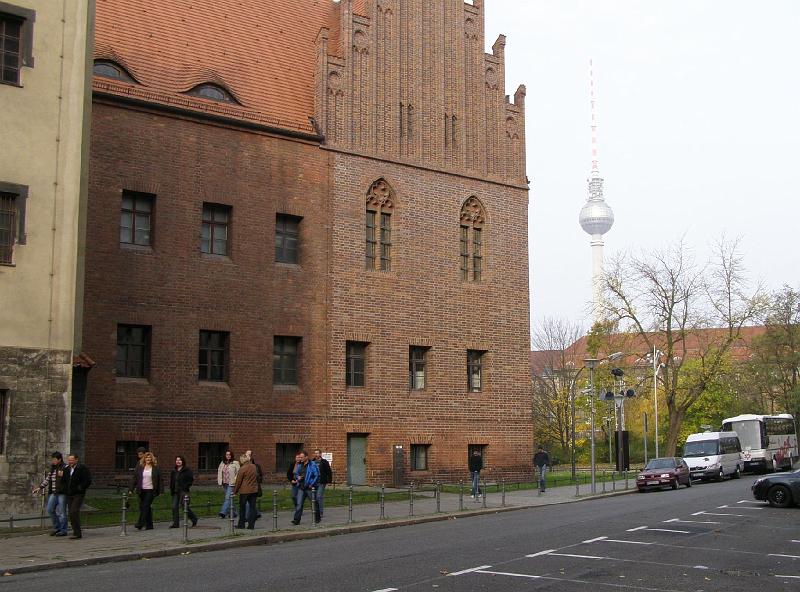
37, 552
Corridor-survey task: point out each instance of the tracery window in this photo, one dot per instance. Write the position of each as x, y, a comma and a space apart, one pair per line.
380, 206
473, 220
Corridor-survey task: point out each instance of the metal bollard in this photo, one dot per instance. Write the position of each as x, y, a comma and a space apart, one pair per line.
461, 494
613, 481
230, 513
604, 481
503, 498
483, 497
383, 502
411, 500
124, 515
11, 522
577, 488
313, 507
350, 504
438, 497
274, 509
41, 517
626, 479
185, 518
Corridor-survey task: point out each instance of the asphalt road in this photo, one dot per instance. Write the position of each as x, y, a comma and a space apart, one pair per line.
712, 537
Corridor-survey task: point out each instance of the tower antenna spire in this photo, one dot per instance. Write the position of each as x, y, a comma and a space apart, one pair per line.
593, 103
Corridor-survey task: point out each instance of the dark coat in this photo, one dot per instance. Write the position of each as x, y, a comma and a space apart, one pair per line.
541, 459
76, 482
475, 463
325, 471
180, 481
137, 479
246, 480
290, 472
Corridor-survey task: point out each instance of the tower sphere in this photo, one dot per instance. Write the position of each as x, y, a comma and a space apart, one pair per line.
596, 217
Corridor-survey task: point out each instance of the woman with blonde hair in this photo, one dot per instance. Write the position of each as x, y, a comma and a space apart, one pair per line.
226, 476
147, 484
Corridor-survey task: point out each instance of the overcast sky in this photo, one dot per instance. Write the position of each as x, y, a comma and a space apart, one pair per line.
699, 115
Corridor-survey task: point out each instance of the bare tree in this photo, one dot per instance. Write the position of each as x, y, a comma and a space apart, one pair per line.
686, 311
554, 375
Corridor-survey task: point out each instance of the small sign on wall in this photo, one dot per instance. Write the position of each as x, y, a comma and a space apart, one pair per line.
328, 456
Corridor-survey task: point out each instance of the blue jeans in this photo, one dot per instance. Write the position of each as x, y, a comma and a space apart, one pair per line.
226, 504
299, 500
542, 475
57, 509
320, 499
476, 483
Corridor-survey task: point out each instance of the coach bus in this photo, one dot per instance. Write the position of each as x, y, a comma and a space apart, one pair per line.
769, 442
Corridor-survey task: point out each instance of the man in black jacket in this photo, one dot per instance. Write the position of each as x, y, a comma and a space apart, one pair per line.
53, 488
475, 466
541, 461
76, 480
325, 477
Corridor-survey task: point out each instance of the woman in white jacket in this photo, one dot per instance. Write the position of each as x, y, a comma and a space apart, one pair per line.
226, 476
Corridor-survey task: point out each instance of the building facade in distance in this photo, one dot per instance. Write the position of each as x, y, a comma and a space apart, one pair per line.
44, 101
308, 228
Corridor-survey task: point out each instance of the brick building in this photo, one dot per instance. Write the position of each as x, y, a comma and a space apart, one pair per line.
307, 227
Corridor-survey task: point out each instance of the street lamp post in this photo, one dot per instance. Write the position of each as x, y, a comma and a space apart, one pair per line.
656, 367
619, 396
590, 364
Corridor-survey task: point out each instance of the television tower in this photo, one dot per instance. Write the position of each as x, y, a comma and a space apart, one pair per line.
596, 217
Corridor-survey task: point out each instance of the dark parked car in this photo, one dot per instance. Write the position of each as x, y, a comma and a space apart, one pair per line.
664, 472
781, 490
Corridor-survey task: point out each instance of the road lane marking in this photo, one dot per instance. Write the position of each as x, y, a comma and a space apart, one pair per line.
579, 556
659, 530
695, 521
628, 542
704, 513
539, 553
794, 541
782, 555
795, 577
386, 590
742, 508
637, 528
507, 573
749, 502
470, 570
594, 540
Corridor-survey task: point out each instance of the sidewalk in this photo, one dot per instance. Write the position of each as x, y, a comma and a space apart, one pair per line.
38, 552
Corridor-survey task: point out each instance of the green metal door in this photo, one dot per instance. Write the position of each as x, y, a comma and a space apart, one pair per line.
356, 459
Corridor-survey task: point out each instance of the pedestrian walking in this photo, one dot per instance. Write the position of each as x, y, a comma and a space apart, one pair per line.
475, 467
180, 482
75, 481
541, 460
226, 477
260, 474
53, 487
140, 452
147, 485
247, 487
306, 476
291, 479
325, 478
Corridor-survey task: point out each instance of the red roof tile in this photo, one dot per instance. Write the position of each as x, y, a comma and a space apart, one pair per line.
263, 52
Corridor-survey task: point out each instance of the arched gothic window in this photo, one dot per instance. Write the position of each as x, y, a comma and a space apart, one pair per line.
380, 206
473, 220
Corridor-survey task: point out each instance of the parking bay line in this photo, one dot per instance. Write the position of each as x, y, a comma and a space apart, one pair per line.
623, 560
695, 521
692, 547
470, 570
703, 512
573, 581
794, 577
387, 590
658, 530
749, 502
782, 555
742, 508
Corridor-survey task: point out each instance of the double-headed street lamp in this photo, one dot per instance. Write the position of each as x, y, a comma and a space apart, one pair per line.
591, 363
618, 396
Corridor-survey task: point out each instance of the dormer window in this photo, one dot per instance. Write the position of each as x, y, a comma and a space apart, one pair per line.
212, 92
108, 69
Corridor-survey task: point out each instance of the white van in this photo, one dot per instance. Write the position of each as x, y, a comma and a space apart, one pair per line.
713, 455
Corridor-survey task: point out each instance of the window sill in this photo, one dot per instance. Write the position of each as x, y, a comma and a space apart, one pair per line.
421, 391
286, 265
214, 384
286, 388
15, 84
8, 264
131, 380
214, 257
355, 389
136, 248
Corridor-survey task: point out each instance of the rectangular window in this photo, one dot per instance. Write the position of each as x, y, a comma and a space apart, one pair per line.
10, 47
210, 454
133, 351
287, 238
125, 457
216, 229
284, 455
477, 259
419, 457
284, 360
464, 253
213, 362
474, 370
8, 227
136, 219
416, 367
356, 359
480, 448
372, 243
4, 405
386, 242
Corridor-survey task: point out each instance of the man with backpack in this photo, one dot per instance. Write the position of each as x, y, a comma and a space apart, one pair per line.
306, 477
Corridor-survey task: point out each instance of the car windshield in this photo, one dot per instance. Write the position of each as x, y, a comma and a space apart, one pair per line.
660, 463
701, 448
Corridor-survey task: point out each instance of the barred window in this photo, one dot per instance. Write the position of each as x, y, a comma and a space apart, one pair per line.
10, 46
284, 455
8, 227
210, 454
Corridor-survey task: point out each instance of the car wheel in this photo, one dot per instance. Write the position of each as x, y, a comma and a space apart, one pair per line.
642, 490
779, 496
689, 482
721, 475
674, 484
737, 474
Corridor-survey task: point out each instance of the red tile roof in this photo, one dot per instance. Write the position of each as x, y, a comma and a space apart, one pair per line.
263, 52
